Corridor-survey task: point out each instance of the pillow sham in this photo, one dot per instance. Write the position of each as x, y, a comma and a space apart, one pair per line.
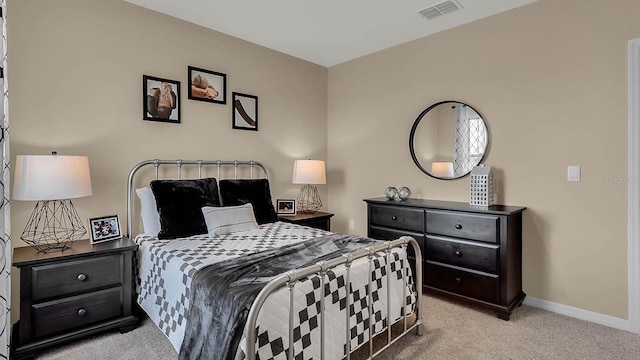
254, 191
149, 211
229, 219
179, 205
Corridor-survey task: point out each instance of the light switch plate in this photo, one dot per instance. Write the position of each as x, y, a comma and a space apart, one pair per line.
573, 173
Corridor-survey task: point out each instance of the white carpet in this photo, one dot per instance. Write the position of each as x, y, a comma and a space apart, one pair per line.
453, 331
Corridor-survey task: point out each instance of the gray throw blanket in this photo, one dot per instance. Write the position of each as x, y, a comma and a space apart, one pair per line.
223, 293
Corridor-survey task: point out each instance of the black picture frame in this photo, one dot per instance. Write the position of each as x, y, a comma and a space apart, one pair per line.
105, 228
152, 91
245, 112
286, 207
207, 85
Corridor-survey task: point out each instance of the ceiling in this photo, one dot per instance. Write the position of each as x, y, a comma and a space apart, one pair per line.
327, 32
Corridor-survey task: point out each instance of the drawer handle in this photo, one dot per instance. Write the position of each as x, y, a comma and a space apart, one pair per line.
82, 312
458, 226
394, 217
458, 281
82, 277
458, 254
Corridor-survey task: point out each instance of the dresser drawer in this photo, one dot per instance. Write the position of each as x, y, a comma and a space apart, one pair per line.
389, 234
395, 217
477, 256
75, 276
466, 283
463, 225
67, 313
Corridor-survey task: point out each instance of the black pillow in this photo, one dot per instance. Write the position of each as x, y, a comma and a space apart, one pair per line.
254, 191
179, 205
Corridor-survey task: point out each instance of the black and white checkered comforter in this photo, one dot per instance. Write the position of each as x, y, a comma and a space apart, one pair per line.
166, 269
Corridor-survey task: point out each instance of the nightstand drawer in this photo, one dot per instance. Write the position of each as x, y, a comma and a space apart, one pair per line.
64, 314
466, 283
395, 217
463, 225
75, 276
477, 256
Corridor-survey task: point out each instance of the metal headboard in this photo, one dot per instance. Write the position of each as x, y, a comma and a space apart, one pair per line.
179, 164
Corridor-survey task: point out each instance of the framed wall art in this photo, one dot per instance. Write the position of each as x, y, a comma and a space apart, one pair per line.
245, 111
104, 228
207, 85
286, 207
161, 99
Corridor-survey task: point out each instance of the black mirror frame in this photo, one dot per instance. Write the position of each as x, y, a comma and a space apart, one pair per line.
413, 133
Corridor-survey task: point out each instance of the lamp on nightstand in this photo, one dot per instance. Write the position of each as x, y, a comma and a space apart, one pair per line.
52, 180
442, 169
309, 173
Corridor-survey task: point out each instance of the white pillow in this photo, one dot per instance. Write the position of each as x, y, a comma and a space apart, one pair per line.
229, 219
150, 216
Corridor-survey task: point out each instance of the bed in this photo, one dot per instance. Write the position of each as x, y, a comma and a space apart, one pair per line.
248, 286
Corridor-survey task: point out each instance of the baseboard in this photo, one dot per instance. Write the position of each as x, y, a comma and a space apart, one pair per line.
594, 317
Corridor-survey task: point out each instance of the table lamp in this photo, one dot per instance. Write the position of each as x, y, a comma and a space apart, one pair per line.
52, 180
442, 169
309, 173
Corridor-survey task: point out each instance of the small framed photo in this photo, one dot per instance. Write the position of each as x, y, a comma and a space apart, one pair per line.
245, 111
105, 228
286, 207
207, 85
161, 99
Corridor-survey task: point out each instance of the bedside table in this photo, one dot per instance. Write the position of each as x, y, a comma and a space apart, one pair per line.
71, 294
318, 220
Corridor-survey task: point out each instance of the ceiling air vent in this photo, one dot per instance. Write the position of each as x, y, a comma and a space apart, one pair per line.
442, 8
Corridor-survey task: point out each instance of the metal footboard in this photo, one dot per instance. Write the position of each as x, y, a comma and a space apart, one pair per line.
290, 278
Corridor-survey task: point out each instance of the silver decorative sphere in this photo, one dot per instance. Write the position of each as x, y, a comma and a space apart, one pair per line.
391, 193
404, 193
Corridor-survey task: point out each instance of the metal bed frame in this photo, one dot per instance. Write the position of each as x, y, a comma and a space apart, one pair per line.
179, 164
290, 278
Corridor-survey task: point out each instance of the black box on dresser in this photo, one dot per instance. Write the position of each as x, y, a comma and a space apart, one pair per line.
469, 253
71, 294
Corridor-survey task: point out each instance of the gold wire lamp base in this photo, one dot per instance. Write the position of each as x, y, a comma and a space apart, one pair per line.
53, 225
308, 200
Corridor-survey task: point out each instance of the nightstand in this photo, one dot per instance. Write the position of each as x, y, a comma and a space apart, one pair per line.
71, 294
318, 220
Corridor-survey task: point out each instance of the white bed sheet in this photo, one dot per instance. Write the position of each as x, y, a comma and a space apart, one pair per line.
166, 269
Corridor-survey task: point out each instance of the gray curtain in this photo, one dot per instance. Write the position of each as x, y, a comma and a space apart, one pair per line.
5, 223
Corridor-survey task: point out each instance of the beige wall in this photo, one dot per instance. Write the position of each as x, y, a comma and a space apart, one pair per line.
75, 72
550, 79
75, 76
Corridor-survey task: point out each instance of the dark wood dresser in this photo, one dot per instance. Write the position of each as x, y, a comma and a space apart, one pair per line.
470, 253
71, 294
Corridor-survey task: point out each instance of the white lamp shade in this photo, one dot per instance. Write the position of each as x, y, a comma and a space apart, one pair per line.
442, 169
310, 172
51, 177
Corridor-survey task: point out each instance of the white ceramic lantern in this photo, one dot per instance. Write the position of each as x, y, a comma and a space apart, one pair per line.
483, 186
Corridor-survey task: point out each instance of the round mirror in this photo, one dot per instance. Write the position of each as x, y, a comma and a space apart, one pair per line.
448, 139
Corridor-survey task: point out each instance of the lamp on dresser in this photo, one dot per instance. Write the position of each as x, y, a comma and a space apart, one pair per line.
52, 181
309, 173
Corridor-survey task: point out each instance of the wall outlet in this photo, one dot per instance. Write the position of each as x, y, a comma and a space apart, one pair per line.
352, 224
